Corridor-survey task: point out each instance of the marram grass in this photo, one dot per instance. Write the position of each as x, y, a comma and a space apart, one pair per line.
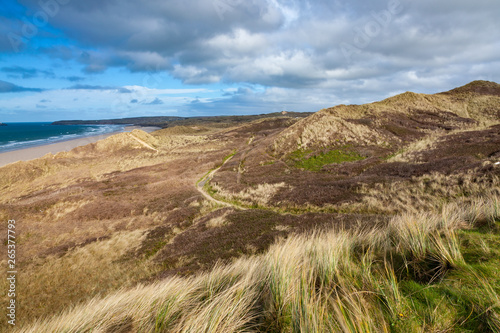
414, 275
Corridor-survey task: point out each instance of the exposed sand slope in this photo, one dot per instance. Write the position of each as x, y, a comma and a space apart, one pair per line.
393, 119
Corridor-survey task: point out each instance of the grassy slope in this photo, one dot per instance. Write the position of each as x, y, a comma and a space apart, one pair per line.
407, 152
423, 277
394, 120
139, 202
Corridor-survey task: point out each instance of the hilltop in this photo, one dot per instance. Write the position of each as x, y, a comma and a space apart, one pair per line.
375, 217
404, 117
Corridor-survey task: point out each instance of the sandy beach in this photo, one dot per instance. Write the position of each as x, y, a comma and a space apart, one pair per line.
36, 152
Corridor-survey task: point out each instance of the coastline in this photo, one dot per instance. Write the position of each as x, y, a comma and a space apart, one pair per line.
27, 154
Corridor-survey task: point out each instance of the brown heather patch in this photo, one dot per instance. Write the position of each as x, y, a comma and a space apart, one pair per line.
410, 275
247, 232
142, 198
342, 187
476, 144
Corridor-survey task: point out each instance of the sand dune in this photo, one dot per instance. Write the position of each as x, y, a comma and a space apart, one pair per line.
37, 152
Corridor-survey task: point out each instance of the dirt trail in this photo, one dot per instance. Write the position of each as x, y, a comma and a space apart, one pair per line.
142, 142
208, 177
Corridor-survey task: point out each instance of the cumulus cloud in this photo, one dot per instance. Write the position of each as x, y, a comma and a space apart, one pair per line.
304, 53
279, 43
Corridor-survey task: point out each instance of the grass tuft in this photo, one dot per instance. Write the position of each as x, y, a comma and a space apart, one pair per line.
416, 274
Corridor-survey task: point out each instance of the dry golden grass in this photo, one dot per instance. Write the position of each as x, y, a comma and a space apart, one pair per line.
329, 126
82, 213
324, 129
137, 139
407, 153
51, 284
428, 192
218, 222
322, 282
258, 195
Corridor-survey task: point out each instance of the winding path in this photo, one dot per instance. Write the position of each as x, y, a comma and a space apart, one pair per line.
142, 142
208, 177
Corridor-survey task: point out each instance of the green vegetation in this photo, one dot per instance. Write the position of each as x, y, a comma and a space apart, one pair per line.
313, 161
224, 160
419, 273
391, 155
156, 247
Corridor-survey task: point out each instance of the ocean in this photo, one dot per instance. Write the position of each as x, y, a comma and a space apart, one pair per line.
16, 136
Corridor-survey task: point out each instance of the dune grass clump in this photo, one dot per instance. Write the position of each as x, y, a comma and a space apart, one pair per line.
416, 274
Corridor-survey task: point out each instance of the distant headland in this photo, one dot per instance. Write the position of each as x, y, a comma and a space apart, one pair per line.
165, 122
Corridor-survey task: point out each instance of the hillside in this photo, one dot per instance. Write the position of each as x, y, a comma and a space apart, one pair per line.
395, 120
360, 218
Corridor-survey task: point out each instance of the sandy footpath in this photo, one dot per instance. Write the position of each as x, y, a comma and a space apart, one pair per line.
36, 152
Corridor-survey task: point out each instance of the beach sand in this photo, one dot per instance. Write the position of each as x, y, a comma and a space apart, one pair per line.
36, 152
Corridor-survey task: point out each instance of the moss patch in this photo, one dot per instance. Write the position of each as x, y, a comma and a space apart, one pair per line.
314, 161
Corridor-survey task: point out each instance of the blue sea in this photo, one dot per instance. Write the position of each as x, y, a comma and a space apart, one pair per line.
16, 136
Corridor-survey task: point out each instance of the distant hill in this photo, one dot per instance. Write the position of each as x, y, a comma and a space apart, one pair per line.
165, 122
396, 119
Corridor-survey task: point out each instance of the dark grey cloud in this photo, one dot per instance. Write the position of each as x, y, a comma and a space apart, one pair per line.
349, 48
7, 87
158, 32
92, 87
25, 73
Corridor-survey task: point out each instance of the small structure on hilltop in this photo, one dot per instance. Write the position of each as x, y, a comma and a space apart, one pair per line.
284, 112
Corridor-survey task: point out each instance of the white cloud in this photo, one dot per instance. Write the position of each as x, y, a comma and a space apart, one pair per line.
91, 103
291, 47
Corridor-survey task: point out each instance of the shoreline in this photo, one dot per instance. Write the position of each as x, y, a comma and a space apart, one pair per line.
32, 153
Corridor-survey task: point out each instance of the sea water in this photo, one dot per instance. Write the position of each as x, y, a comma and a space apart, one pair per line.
16, 136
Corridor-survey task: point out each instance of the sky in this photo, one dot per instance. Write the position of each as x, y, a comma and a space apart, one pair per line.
101, 59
